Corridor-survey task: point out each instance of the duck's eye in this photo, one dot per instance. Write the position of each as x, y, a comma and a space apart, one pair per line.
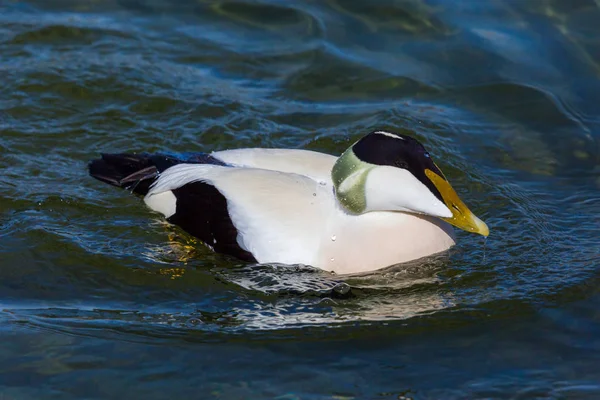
401, 164
427, 155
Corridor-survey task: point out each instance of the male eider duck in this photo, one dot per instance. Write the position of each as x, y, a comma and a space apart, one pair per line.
382, 202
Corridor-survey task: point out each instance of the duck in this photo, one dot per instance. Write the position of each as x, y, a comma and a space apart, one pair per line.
381, 203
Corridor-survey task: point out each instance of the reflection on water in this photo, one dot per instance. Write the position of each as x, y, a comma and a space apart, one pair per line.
505, 94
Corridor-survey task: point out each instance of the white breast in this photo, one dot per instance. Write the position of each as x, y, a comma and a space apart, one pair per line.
367, 242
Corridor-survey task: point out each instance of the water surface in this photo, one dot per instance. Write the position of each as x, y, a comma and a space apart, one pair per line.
100, 299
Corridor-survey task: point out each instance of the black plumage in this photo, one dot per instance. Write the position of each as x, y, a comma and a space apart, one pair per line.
201, 210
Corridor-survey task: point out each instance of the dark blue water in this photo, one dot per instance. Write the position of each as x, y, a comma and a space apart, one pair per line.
100, 299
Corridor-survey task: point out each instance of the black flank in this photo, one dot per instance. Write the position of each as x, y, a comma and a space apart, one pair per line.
202, 212
201, 209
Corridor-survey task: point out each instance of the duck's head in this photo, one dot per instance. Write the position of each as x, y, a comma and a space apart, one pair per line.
387, 171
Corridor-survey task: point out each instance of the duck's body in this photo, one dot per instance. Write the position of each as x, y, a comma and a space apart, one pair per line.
291, 218
279, 206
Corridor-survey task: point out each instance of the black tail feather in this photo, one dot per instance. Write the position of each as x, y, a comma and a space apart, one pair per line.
135, 172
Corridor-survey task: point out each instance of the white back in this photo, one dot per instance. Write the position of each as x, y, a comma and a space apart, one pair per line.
304, 162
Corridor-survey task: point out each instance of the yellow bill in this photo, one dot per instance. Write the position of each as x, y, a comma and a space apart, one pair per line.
462, 217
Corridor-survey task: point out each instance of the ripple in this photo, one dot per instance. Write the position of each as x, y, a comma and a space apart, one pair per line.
255, 29
260, 15
332, 79
63, 35
408, 17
